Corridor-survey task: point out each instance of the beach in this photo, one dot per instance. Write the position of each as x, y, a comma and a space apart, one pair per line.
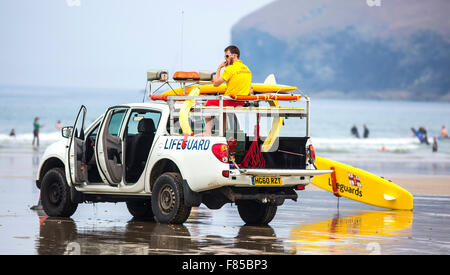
360, 84
417, 185
107, 228
23, 163
424, 185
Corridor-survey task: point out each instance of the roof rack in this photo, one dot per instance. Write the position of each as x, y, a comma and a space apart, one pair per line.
186, 79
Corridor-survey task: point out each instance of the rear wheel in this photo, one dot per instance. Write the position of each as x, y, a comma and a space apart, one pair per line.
168, 199
256, 213
141, 209
55, 194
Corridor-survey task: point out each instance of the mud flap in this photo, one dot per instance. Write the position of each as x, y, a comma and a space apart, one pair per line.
75, 195
191, 198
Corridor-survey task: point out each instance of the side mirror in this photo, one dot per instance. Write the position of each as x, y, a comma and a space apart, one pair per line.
66, 131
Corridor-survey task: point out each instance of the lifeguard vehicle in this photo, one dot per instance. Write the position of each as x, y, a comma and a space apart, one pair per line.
158, 157
155, 157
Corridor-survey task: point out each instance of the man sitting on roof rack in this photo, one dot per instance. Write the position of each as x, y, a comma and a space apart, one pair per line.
238, 78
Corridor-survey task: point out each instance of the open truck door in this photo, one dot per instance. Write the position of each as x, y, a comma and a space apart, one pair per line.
109, 147
76, 153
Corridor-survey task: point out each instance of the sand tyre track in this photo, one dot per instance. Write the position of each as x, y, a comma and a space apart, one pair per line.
55, 194
256, 213
168, 199
141, 209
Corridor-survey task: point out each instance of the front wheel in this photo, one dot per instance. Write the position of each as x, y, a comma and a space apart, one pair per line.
256, 213
55, 194
168, 199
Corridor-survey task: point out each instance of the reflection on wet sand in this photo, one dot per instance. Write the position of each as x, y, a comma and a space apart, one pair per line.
60, 236
363, 233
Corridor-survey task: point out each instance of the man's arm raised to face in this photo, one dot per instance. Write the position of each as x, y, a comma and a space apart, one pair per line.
218, 80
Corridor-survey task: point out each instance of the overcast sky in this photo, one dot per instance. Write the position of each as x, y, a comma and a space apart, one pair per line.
111, 43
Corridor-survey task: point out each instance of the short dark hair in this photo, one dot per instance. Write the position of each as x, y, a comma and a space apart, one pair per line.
233, 50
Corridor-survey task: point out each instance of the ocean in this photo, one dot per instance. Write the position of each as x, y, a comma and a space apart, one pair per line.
390, 149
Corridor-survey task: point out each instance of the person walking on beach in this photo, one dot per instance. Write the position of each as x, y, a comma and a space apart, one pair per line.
36, 127
366, 131
238, 78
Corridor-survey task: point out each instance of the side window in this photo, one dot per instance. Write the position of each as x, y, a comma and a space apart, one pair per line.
93, 134
138, 115
79, 130
198, 125
116, 122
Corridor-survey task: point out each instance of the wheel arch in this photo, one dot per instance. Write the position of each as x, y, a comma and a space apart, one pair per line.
49, 163
160, 167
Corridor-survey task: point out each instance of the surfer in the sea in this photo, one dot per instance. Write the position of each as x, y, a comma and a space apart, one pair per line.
421, 134
354, 131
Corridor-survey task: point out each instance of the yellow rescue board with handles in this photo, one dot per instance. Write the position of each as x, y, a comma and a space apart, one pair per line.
274, 131
210, 89
362, 186
184, 113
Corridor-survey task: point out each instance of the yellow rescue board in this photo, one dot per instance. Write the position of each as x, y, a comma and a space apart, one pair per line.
210, 89
274, 131
362, 186
184, 113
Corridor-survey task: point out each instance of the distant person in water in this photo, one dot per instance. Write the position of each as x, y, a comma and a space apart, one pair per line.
58, 125
421, 134
425, 136
418, 134
444, 132
354, 131
435, 144
12, 133
366, 131
36, 127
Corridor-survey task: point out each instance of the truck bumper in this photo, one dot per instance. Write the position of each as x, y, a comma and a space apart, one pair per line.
244, 177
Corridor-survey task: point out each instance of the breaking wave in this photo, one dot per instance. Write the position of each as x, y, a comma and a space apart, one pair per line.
344, 145
21, 140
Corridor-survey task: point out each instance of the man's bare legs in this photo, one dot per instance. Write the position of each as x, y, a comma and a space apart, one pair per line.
209, 124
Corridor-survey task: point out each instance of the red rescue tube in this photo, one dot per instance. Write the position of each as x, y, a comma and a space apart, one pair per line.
159, 97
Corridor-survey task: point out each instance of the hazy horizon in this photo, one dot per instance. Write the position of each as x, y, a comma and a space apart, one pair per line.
111, 44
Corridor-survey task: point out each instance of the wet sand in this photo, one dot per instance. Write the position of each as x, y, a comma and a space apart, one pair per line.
425, 185
312, 225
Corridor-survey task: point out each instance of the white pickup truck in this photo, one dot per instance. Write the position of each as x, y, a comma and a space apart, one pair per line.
136, 153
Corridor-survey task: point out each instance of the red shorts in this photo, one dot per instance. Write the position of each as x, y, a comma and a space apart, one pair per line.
226, 103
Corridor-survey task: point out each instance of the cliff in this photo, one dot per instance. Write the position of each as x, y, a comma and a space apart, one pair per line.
398, 50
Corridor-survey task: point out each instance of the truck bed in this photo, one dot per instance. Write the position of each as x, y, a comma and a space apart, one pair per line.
290, 153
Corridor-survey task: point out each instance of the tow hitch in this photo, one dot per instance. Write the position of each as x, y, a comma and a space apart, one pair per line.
276, 198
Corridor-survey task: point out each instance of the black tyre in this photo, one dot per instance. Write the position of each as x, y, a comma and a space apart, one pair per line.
168, 199
55, 194
256, 213
141, 210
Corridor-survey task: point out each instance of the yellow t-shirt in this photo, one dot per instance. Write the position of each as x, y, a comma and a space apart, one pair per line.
238, 78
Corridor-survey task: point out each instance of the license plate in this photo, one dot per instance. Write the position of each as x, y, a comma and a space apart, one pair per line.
266, 181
